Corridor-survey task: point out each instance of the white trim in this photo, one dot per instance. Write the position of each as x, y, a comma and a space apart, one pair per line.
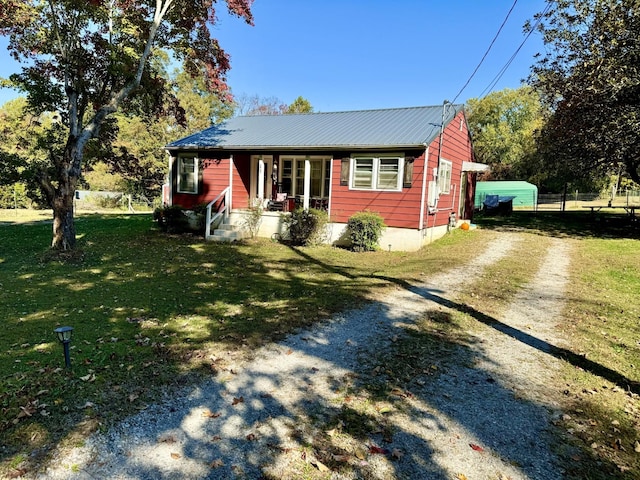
230, 181
423, 195
444, 181
376, 157
196, 171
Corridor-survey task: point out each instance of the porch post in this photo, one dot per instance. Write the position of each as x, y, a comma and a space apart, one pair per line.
307, 183
260, 179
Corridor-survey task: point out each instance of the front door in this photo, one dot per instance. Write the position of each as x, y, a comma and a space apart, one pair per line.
261, 171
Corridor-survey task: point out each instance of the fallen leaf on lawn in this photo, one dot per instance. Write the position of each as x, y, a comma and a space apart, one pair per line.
175, 455
16, 473
636, 446
42, 392
461, 476
360, 453
251, 437
209, 414
88, 378
378, 450
217, 463
216, 438
319, 465
477, 448
341, 458
398, 392
397, 453
167, 438
289, 352
87, 405
133, 397
333, 432
237, 400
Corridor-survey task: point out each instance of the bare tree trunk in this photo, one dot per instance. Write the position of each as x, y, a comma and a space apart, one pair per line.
61, 201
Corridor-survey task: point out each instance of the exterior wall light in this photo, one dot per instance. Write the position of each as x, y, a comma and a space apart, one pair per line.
64, 336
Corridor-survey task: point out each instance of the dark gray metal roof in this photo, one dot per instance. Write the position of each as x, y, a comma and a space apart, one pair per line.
388, 128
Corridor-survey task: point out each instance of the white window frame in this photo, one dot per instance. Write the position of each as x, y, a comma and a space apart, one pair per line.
180, 186
375, 176
444, 176
296, 181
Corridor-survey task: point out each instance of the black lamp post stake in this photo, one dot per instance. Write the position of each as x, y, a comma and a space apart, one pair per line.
64, 336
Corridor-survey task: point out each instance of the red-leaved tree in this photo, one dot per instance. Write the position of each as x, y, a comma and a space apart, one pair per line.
86, 59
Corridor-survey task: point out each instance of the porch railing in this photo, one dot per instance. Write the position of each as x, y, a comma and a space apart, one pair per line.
222, 210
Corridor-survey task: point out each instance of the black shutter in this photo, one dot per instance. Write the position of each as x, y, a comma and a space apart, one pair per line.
408, 172
344, 172
201, 165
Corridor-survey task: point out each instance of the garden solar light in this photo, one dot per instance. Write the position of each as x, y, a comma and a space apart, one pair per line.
64, 336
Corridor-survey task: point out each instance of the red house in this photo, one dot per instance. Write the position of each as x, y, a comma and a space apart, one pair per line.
414, 166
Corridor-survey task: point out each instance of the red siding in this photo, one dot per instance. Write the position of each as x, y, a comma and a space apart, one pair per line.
399, 209
241, 180
214, 177
456, 147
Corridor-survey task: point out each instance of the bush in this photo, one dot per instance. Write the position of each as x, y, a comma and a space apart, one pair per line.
172, 219
307, 227
365, 229
253, 219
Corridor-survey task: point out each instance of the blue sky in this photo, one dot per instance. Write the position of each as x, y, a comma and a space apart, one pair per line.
366, 54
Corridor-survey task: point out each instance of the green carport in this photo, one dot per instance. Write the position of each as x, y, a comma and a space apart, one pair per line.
524, 194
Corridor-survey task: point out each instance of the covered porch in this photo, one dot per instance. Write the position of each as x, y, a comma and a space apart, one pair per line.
286, 182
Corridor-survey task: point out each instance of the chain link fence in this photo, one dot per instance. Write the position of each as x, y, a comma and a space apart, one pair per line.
576, 199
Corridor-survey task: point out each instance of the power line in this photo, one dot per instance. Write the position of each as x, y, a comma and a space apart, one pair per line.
487, 52
502, 71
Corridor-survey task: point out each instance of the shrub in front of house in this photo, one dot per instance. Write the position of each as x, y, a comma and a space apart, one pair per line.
364, 230
307, 227
176, 219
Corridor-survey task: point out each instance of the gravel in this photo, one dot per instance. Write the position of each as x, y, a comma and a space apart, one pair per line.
487, 417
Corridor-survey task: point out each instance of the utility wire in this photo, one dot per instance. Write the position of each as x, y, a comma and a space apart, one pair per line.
486, 53
502, 71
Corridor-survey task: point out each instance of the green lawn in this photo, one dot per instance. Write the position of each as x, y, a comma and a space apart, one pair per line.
152, 312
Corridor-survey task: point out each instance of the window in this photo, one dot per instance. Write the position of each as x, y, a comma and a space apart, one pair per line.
376, 173
444, 177
292, 179
188, 174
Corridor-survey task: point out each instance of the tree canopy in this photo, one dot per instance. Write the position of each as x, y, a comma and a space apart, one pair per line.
503, 126
590, 80
85, 60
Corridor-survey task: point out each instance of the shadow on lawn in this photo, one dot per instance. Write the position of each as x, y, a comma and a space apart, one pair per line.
131, 294
313, 400
145, 308
576, 224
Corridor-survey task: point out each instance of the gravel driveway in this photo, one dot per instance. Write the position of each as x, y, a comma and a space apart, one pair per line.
487, 418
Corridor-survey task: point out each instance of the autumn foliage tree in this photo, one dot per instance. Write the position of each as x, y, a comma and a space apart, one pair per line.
87, 59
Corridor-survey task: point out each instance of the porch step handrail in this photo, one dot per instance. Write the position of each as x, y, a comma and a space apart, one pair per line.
222, 211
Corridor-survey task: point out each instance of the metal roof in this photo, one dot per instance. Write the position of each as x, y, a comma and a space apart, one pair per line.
385, 128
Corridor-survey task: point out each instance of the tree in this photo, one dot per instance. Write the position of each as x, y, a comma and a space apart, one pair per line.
87, 59
256, 105
590, 80
503, 126
300, 105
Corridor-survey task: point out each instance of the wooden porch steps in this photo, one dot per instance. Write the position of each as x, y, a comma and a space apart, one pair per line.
226, 232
